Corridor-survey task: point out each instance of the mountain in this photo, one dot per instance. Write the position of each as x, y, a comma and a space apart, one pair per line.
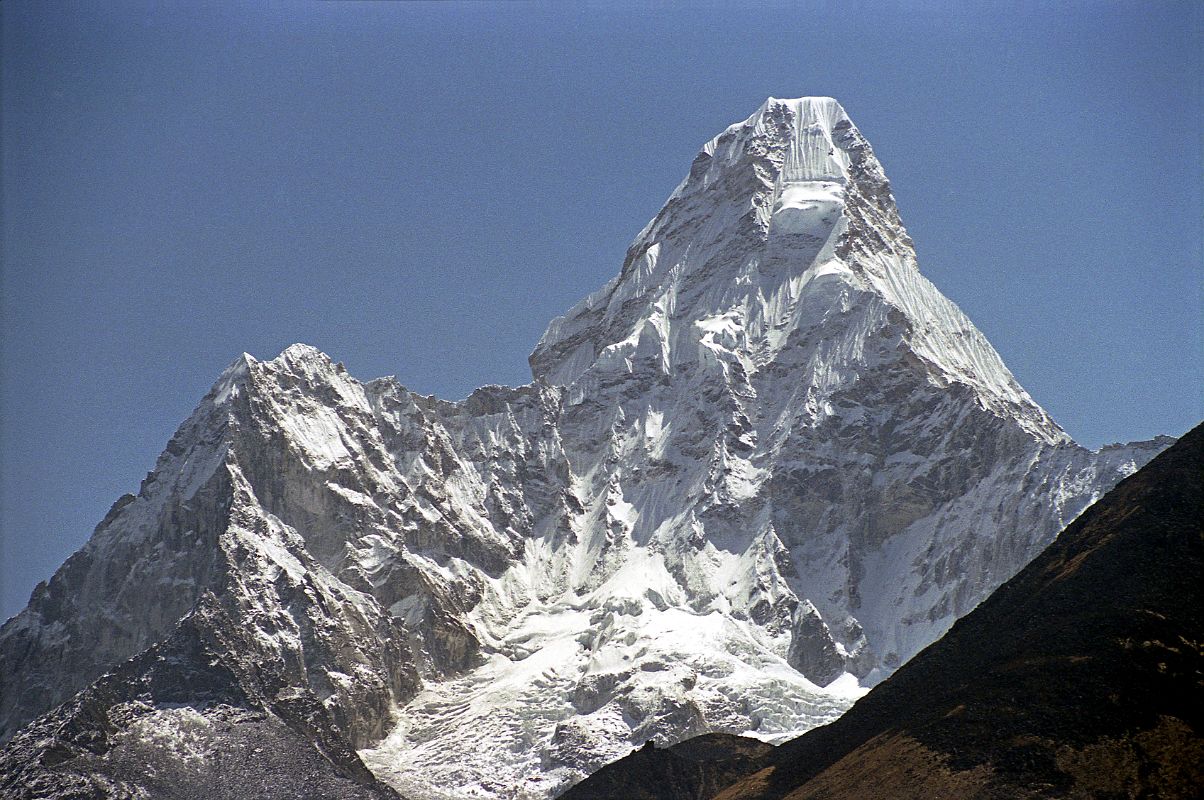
757, 471
1080, 677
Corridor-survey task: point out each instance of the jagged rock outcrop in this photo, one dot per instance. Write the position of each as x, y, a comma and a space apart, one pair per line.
196, 716
765, 463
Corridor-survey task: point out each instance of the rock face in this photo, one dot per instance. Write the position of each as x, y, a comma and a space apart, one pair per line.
194, 717
756, 472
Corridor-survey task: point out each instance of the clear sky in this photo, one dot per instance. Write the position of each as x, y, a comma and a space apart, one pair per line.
418, 189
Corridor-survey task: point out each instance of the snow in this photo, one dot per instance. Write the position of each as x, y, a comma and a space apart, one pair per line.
807, 207
183, 732
617, 664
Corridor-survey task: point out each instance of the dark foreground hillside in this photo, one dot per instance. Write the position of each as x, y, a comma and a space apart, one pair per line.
1083, 676
692, 770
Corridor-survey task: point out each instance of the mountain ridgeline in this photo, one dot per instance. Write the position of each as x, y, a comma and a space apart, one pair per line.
761, 468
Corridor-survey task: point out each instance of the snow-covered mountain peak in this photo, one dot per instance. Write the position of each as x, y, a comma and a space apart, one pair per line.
767, 462
762, 202
299, 351
784, 224
302, 361
815, 128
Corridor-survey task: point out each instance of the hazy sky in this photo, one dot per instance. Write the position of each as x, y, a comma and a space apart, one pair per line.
418, 189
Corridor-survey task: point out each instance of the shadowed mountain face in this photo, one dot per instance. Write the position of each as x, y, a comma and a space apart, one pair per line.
1081, 677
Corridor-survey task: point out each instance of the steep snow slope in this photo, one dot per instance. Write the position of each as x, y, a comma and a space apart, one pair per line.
757, 471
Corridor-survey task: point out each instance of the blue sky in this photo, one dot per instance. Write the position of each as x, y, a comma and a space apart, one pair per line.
417, 189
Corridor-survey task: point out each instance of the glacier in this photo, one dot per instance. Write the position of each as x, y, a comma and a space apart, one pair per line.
758, 470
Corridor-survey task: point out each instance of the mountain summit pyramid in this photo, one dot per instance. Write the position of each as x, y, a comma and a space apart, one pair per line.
757, 471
